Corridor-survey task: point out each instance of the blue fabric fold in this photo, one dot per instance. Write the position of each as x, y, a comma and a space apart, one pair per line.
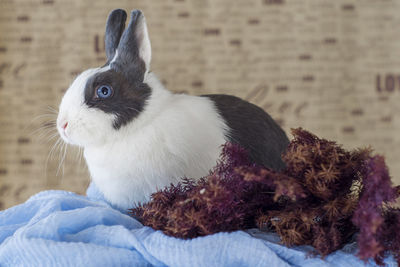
58, 228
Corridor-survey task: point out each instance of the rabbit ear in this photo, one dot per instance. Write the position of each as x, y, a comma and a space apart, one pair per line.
114, 28
134, 50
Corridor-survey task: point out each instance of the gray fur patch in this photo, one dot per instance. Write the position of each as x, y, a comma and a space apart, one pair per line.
252, 128
114, 27
128, 100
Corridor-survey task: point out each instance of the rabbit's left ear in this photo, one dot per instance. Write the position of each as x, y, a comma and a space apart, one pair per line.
134, 50
114, 28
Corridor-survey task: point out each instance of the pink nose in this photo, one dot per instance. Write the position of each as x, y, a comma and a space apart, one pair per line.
65, 125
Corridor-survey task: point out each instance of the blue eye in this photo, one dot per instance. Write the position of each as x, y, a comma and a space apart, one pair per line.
104, 91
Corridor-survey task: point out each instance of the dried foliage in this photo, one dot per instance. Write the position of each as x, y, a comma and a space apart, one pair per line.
323, 197
379, 224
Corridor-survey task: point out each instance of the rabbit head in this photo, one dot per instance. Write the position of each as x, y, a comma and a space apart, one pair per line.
102, 100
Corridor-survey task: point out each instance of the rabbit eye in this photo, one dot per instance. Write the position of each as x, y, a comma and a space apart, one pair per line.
104, 91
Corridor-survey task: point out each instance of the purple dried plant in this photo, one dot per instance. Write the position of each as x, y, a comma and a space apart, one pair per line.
323, 197
370, 214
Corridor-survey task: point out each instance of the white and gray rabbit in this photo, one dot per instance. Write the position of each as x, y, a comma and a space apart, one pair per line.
139, 137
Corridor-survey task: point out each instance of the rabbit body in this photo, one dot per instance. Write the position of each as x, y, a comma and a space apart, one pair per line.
138, 137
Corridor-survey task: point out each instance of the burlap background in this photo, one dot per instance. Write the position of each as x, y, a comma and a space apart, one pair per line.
332, 67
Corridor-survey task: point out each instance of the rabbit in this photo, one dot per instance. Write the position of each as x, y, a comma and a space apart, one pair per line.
138, 137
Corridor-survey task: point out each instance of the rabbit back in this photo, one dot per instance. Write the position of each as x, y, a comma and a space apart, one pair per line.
252, 128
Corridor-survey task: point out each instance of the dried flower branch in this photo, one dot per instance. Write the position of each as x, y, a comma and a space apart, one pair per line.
379, 227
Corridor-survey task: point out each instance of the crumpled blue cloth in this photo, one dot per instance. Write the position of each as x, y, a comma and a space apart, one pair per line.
59, 228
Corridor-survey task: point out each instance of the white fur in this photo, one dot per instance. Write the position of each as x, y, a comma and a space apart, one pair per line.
175, 136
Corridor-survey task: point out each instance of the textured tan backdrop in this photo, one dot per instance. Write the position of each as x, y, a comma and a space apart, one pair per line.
332, 67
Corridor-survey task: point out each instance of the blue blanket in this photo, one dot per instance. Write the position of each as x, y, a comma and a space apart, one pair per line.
58, 228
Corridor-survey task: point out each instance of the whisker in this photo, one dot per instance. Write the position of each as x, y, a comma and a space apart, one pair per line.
79, 155
45, 133
43, 127
61, 163
60, 159
52, 109
53, 148
52, 137
134, 109
45, 115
